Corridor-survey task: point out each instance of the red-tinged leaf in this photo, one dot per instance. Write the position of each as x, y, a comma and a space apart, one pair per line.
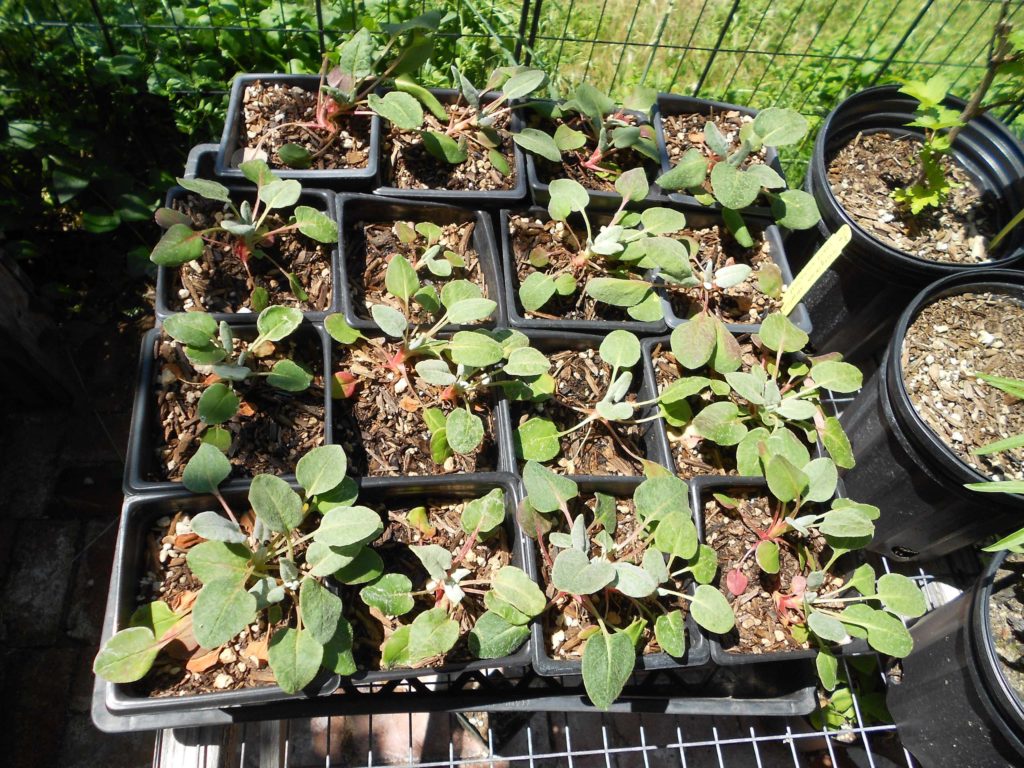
736, 582
345, 385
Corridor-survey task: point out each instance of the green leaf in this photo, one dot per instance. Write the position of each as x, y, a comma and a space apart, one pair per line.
632, 184
179, 245
620, 349
321, 610
391, 594
258, 172
471, 311
485, 513
436, 559
289, 376
1000, 486
828, 668
215, 527
400, 278
676, 535
662, 221
837, 376
539, 143
535, 291
785, 481
711, 610
275, 323
156, 616
339, 329
901, 596
127, 656
721, 423
766, 176
633, 581
401, 109
705, 565
523, 83
767, 555
537, 440
863, 579
338, 651
465, 431
492, 637
822, 478
608, 661
847, 523
206, 470
1014, 387
218, 404
547, 490
276, 505
455, 291
526, 361
436, 372
886, 633
732, 187
439, 448
795, 209
670, 632
211, 190
1007, 444
322, 469
574, 573
512, 586
444, 147
348, 526
780, 126
168, 217
659, 498
568, 139
567, 196
618, 292
434, 419
280, 193
364, 567
222, 609
690, 171
343, 495
780, 335
389, 320
693, 341
474, 348
294, 657
395, 651
432, 634
295, 156
212, 561
837, 443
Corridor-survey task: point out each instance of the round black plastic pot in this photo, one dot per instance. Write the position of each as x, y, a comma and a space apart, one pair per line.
475, 198
697, 219
700, 489
854, 306
517, 317
599, 199
697, 653
168, 283
356, 210
549, 343
502, 428
670, 105
904, 468
144, 432
954, 706
339, 180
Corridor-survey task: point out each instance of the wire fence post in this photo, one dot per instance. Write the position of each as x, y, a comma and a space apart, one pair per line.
903, 41
104, 29
524, 19
718, 45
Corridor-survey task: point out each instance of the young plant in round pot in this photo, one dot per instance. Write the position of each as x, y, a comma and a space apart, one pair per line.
918, 424
587, 413
229, 252
732, 169
461, 145
720, 396
254, 392
925, 182
318, 127
617, 562
590, 139
441, 244
786, 570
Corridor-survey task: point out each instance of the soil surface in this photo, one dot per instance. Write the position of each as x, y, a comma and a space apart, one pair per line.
683, 132
742, 303
270, 113
581, 380
371, 628
565, 619
870, 168
381, 427
408, 164
373, 247
1006, 619
218, 280
272, 428
572, 165
951, 340
731, 533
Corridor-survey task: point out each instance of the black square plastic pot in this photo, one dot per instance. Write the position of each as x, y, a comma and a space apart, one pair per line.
600, 200
699, 219
168, 282
340, 179
700, 489
516, 315
142, 437
670, 104
697, 649
201, 161
855, 305
548, 343
476, 198
506, 459
354, 209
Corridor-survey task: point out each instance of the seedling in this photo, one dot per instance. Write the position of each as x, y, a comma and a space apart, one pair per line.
778, 395
477, 122
274, 569
725, 177
941, 125
245, 231
592, 117
538, 439
510, 596
207, 344
614, 580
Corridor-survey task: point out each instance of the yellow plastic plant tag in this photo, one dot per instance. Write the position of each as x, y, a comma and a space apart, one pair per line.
815, 268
